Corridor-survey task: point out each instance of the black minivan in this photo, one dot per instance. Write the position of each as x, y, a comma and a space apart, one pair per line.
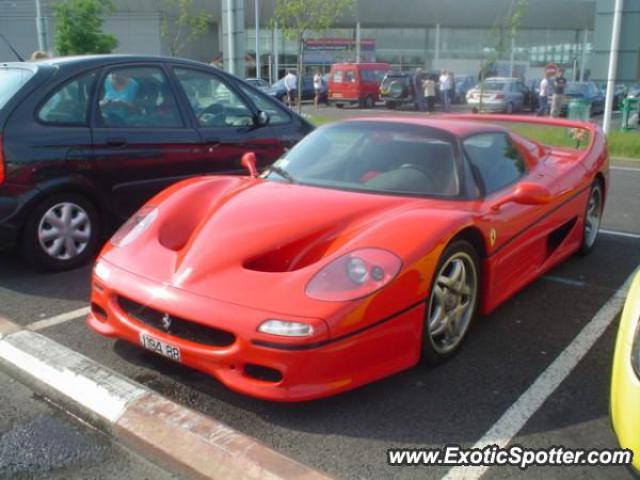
85, 141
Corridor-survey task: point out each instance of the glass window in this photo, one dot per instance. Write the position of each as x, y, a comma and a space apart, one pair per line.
277, 114
138, 97
383, 157
214, 104
495, 160
11, 79
69, 104
344, 76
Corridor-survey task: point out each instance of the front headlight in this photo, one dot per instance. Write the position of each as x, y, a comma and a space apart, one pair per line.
635, 351
285, 328
138, 223
354, 275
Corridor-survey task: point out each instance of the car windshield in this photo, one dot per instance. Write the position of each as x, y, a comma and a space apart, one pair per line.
492, 85
11, 79
378, 157
576, 89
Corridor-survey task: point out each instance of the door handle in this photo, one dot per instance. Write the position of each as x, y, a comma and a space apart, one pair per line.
116, 142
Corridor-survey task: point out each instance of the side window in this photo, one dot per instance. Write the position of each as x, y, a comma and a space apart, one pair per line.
368, 76
278, 116
495, 160
137, 97
69, 104
213, 103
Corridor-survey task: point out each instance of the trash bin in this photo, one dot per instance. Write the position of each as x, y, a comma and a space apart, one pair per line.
579, 109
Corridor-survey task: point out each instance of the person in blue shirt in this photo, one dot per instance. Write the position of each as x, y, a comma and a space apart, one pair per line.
119, 87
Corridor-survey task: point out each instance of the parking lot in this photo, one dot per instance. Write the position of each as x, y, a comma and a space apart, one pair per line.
457, 403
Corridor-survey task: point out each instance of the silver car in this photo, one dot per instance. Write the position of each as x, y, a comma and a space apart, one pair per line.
499, 94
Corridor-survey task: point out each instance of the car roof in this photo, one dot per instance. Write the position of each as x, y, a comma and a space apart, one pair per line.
459, 128
96, 60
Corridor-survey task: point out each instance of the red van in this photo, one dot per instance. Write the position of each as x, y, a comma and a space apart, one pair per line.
359, 83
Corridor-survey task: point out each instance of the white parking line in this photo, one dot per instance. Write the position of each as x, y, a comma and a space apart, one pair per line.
512, 421
625, 169
58, 319
619, 234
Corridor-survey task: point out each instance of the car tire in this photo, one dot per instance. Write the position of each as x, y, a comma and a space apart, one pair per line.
454, 298
390, 105
46, 247
368, 102
509, 108
592, 218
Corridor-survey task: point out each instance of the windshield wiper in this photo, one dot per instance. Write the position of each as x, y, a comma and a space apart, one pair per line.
282, 172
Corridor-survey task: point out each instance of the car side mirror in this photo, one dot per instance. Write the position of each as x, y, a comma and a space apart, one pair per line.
249, 162
526, 194
262, 119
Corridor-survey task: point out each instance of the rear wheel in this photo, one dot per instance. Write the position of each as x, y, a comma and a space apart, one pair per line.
592, 218
510, 107
62, 232
368, 102
390, 105
452, 303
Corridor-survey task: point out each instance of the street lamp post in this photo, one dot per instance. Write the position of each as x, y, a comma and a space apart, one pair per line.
257, 39
41, 29
613, 64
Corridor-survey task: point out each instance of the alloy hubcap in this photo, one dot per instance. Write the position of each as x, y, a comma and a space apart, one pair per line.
64, 231
452, 302
593, 217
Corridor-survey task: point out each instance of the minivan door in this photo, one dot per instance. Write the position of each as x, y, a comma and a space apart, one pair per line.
226, 121
143, 141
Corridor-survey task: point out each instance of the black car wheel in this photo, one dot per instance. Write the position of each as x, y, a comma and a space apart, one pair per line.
592, 218
390, 105
62, 232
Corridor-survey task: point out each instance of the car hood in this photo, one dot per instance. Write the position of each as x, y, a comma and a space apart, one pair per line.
255, 242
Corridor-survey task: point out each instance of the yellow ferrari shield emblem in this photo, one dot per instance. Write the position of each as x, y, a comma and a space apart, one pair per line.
492, 236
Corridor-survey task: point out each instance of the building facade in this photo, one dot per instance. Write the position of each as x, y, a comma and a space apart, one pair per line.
456, 34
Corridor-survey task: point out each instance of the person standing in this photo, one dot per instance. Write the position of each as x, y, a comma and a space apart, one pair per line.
429, 86
545, 87
291, 84
318, 88
559, 84
445, 89
418, 92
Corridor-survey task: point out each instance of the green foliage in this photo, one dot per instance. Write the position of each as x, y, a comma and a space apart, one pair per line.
298, 18
180, 24
79, 27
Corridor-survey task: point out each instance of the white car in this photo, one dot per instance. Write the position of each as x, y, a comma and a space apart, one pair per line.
499, 94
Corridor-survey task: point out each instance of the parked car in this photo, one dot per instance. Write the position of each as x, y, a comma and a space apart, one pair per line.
586, 91
259, 83
625, 377
279, 91
463, 83
368, 233
633, 91
500, 94
85, 141
356, 83
396, 89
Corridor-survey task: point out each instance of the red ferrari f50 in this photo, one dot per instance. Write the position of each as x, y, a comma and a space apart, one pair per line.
371, 244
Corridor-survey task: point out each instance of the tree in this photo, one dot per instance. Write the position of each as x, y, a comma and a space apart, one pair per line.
180, 25
503, 33
79, 27
298, 18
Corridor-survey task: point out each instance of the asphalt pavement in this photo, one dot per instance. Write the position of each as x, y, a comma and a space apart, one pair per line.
38, 440
347, 436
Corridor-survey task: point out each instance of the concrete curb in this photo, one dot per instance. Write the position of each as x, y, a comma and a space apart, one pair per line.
177, 437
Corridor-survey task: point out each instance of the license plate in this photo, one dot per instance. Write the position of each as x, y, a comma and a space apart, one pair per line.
159, 347
337, 95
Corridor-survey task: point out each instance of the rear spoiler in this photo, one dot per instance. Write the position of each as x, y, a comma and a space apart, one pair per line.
596, 136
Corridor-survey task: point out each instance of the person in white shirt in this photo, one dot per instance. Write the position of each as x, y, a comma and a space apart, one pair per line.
291, 84
445, 89
318, 84
545, 91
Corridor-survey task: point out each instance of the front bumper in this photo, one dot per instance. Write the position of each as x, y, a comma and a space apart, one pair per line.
308, 371
488, 106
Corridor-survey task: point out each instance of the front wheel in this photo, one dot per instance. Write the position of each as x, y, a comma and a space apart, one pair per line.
61, 233
452, 303
592, 218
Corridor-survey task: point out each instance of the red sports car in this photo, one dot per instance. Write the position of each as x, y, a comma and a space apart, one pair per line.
371, 244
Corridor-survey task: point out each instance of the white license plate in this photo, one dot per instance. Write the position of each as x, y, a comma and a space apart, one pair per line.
337, 95
159, 347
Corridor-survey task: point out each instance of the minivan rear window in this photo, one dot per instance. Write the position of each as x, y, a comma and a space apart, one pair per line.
11, 79
344, 76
